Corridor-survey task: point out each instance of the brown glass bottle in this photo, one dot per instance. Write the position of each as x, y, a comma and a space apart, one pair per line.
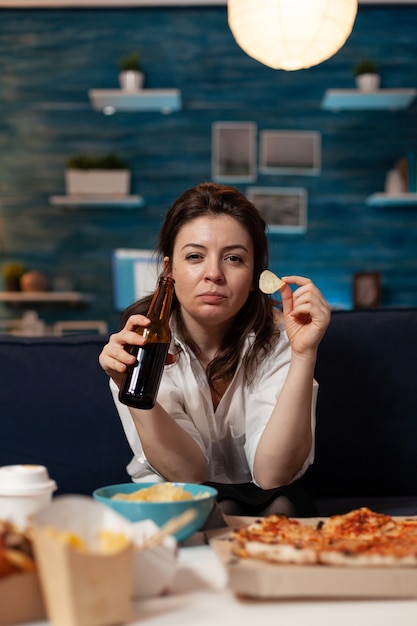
141, 381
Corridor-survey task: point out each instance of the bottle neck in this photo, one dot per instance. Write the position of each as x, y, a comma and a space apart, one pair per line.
160, 307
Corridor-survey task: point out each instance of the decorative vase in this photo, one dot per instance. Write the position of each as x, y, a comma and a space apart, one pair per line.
368, 82
394, 182
131, 80
12, 283
34, 280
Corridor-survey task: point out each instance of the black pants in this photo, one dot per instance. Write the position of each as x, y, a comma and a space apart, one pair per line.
249, 499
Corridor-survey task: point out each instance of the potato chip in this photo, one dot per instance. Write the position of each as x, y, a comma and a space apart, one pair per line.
160, 492
270, 282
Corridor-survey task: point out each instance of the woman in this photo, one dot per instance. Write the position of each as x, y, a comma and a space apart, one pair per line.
236, 406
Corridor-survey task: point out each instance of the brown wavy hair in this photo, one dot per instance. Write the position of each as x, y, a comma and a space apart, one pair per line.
257, 314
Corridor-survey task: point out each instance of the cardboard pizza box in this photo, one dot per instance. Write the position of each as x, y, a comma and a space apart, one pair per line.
259, 579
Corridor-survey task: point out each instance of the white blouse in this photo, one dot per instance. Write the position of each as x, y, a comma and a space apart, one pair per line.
229, 435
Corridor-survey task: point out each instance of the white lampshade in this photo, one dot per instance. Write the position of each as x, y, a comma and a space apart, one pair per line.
291, 34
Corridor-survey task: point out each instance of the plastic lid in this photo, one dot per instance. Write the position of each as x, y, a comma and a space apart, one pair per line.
21, 480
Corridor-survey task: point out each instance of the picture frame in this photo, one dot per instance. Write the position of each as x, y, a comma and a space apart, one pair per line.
283, 208
135, 274
290, 152
366, 290
234, 152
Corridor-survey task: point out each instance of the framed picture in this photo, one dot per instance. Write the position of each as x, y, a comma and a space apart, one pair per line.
290, 152
134, 275
366, 290
283, 208
234, 152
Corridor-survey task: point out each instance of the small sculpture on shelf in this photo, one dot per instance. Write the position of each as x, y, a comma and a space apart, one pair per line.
34, 280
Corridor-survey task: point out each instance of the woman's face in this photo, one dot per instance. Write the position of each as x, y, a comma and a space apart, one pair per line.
212, 266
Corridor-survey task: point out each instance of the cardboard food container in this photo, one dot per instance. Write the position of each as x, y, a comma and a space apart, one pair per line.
83, 588
21, 599
263, 580
155, 568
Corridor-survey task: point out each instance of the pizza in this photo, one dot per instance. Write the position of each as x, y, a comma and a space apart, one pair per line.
358, 538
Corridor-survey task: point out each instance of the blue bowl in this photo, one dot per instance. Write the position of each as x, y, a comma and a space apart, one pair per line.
161, 512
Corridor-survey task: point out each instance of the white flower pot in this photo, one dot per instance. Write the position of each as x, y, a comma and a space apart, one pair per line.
131, 80
368, 82
97, 182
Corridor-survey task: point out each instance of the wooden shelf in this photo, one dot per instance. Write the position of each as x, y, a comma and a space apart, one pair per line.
110, 101
98, 202
392, 200
68, 298
392, 99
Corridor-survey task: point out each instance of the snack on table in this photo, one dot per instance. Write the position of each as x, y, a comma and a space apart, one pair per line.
108, 542
16, 553
359, 538
160, 492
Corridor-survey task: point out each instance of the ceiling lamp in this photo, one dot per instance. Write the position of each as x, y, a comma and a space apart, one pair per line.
291, 34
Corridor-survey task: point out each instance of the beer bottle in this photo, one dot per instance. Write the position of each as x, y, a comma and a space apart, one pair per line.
141, 381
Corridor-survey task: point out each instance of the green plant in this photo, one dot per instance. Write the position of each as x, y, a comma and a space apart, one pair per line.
366, 66
12, 273
109, 161
13, 270
130, 62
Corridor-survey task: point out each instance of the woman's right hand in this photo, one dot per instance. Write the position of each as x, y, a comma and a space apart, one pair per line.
115, 358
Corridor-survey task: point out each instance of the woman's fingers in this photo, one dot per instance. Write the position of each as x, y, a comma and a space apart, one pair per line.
305, 309
115, 356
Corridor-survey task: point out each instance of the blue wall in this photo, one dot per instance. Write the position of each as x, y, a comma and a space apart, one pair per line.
50, 58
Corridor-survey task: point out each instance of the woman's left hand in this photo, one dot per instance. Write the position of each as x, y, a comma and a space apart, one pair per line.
306, 314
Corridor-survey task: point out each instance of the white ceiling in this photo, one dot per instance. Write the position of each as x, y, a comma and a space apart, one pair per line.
16, 4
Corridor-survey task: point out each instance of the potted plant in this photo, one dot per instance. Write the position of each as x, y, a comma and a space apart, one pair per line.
131, 76
367, 75
88, 174
12, 273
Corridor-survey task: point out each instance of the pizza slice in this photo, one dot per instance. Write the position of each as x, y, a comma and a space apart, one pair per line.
359, 538
277, 538
360, 524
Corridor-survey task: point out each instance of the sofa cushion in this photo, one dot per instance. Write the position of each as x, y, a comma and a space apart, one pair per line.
367, 406
56, 409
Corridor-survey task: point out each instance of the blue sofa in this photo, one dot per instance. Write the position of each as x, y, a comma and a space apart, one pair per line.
56, 409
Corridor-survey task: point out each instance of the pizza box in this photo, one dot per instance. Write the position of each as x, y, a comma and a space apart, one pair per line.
262, 580
21, 599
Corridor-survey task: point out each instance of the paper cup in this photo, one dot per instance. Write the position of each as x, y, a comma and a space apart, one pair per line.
24, 490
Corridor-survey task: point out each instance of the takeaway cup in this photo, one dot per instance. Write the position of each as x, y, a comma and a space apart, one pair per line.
24, 489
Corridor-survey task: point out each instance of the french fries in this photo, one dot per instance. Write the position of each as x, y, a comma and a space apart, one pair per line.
107, 542
16, 553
